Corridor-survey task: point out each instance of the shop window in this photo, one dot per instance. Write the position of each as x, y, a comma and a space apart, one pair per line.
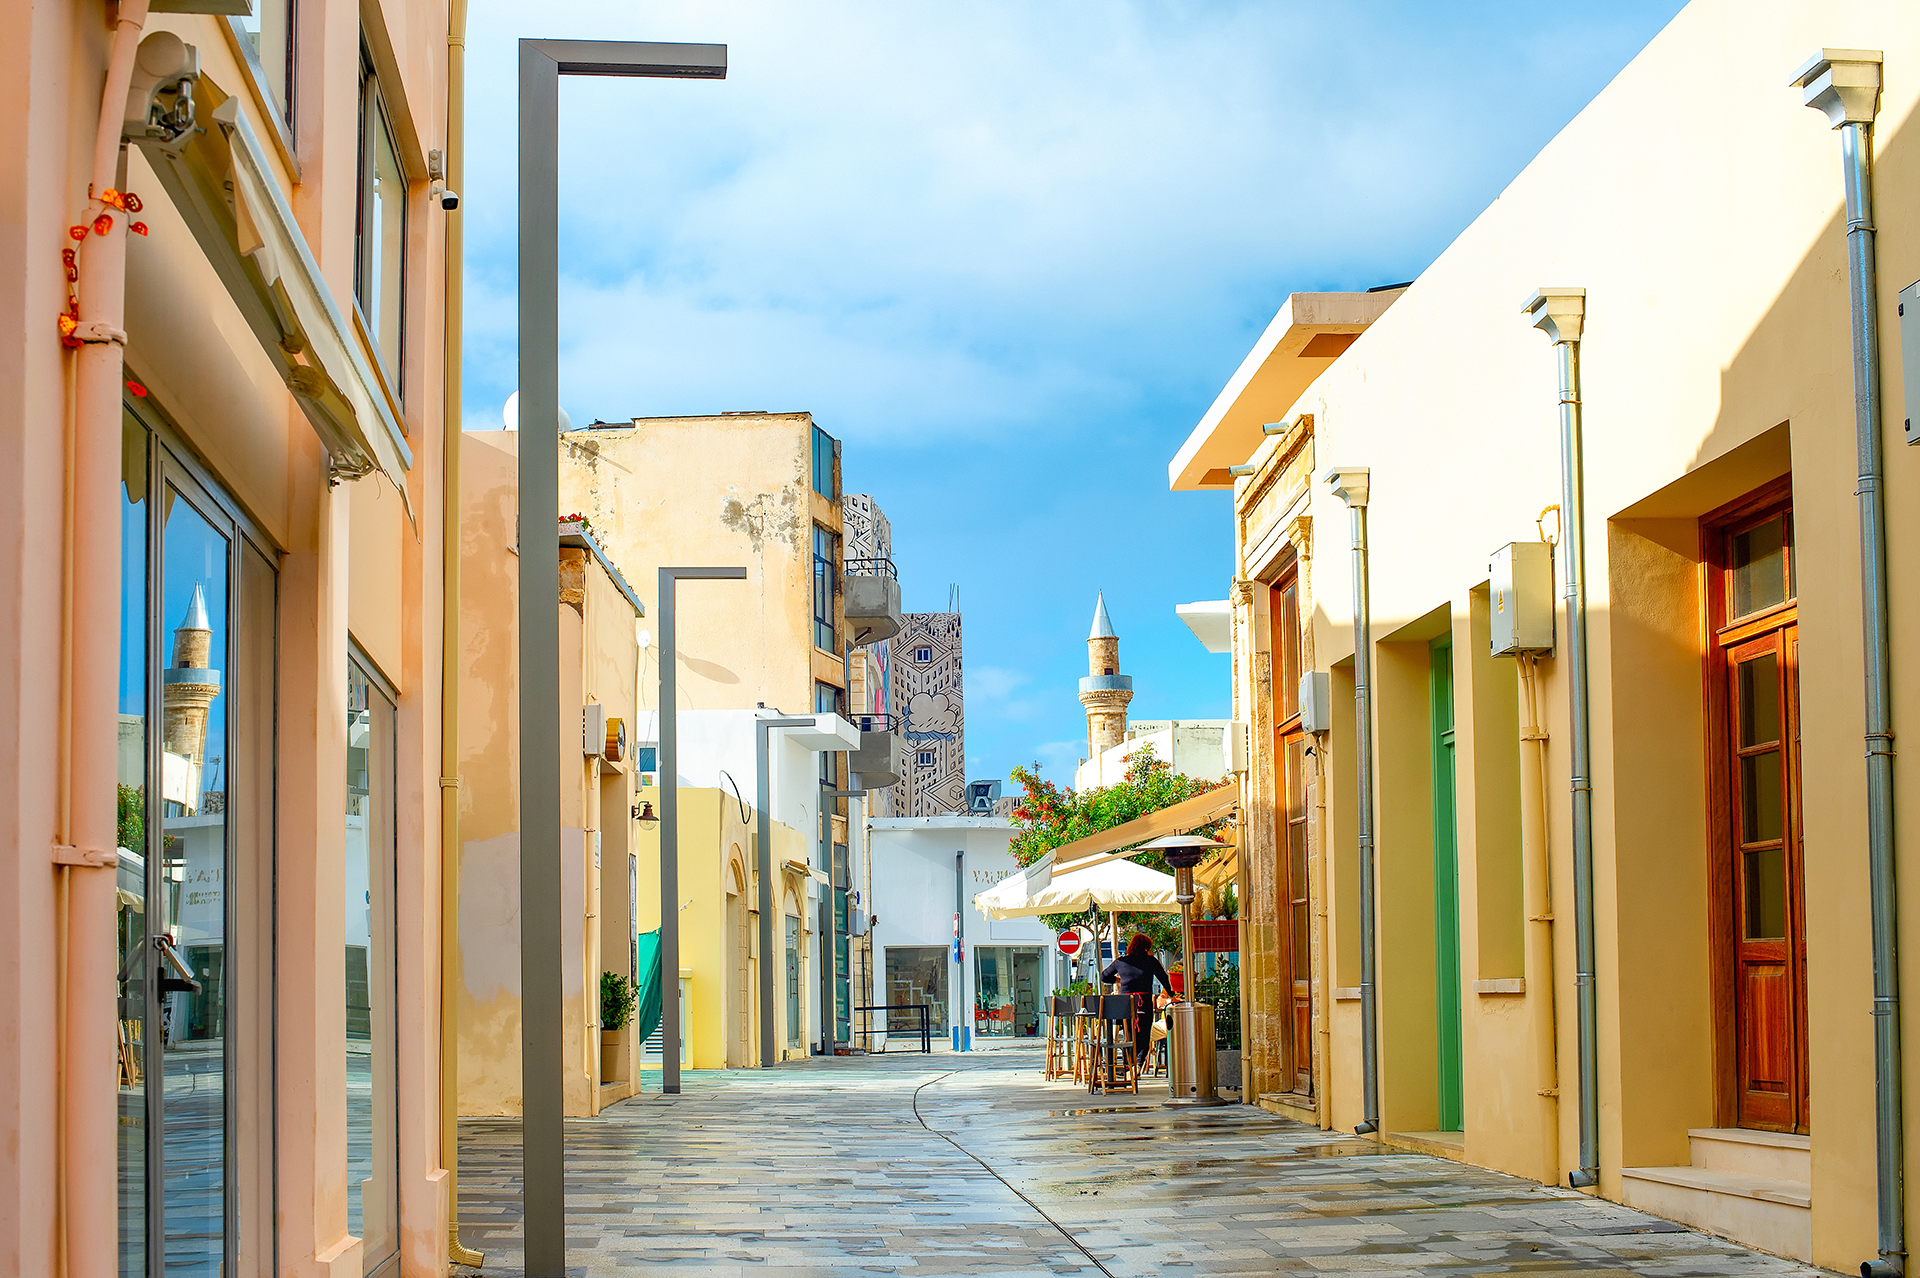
373, 1149
380, 232
194, 892
916, 977
1006, 997
793, 980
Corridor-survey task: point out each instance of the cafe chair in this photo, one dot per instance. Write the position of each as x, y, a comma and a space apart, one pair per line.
1115, 1065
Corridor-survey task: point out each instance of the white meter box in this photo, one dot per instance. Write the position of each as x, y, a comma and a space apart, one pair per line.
1520, 598
1910, 359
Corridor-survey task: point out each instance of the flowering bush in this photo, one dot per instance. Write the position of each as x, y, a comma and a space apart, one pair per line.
1049, 816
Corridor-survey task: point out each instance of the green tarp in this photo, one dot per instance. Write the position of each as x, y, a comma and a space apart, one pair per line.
647, 1015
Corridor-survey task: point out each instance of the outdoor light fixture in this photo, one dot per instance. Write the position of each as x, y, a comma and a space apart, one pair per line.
1191, 1078
643, 813
1246, 469
544, 1067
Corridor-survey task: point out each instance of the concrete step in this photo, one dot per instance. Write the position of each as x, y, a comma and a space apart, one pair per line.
1772, 1214
1774, 1155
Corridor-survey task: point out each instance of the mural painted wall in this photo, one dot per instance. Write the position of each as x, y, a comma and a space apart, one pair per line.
925, 695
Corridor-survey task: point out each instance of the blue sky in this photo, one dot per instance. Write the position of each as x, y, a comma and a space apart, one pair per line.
1009, 252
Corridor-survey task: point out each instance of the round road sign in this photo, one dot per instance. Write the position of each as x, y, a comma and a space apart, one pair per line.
1069, 943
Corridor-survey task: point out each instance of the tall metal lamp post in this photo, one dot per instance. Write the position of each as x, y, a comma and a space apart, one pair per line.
542, 1054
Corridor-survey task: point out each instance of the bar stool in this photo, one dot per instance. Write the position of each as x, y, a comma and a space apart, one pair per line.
1086, 1036
1116, 1065
1059, 1038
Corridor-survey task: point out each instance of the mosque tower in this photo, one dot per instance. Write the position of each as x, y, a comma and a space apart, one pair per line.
1105, 692
189, 685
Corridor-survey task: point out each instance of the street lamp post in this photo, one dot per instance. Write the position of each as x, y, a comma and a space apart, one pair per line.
670, 822
542, 1054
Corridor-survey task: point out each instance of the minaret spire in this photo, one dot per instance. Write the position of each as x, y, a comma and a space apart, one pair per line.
1105, 692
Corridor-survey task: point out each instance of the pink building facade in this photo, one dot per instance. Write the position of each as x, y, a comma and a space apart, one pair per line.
223, 414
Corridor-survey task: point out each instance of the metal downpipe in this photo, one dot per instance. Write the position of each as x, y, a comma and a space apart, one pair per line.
1856, 145
1351, 484
1844, 84
1561, 314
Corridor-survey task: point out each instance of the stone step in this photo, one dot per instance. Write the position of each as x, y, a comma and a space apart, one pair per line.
1774, 1155
1771, 1214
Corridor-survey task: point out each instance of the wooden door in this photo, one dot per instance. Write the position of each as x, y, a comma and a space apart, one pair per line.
1769, 949
1297, 979
1291, 880
1760, 906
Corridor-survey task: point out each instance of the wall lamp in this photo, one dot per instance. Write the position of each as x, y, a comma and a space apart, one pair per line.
643, 813
1241, 470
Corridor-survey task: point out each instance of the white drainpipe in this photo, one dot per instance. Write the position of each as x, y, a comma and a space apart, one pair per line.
1561, 314
1351, 484
1844, 84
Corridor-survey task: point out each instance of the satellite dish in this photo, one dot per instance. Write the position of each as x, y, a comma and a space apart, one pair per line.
510, 414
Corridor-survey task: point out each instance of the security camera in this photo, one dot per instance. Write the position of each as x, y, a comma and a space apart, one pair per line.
449, 200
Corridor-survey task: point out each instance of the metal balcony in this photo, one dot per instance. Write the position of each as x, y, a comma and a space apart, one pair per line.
872, 600
876, 764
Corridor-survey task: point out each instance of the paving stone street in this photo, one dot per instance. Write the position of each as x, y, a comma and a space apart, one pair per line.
972, 1164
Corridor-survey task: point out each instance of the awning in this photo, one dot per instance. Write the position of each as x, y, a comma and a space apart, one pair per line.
1117, 842
222, 184
1113, 886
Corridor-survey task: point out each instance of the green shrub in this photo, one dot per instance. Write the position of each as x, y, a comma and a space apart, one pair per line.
1221, 987
618, 996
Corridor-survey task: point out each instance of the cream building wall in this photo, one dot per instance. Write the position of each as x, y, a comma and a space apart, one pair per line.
1195, 747
1716, 358
599, 664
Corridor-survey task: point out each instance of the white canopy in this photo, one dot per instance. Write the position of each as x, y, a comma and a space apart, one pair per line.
1113, 886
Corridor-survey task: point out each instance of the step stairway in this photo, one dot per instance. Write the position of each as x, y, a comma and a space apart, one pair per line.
1753, 1187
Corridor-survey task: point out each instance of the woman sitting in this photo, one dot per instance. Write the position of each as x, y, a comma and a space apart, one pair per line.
1136, 971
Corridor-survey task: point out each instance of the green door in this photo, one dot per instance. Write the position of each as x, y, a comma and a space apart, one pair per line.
1446, 894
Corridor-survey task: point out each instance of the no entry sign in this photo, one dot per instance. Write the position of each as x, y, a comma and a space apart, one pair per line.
1069, 943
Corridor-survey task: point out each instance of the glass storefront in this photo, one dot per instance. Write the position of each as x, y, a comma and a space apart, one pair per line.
194, 814
1006, 991
373, 1136
917, 974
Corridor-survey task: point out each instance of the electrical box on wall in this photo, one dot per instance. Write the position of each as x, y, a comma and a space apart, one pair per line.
1520, 598
1316, 701
593, 728
1910, 359
1235, 746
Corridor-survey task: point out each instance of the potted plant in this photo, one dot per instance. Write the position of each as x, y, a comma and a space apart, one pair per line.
618, 997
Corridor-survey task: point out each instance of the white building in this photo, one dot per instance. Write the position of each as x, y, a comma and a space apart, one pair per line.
1195, 747
924, 871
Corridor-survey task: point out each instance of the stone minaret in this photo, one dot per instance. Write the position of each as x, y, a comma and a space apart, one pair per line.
188, 686
1105, 692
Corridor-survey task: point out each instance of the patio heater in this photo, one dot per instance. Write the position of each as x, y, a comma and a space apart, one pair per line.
1191, 1077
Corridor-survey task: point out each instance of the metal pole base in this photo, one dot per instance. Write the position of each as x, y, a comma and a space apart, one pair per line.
1194, 1102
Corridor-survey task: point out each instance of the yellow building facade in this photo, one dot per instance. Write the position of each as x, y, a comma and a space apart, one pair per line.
1734, 1026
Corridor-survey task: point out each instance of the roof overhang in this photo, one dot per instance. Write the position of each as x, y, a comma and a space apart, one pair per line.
223, 186
1310, 332
574, 533
1211, 621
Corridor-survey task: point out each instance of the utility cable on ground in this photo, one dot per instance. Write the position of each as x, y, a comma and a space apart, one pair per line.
1064, 1231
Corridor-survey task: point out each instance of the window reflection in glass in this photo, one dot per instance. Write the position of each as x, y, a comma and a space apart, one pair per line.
191, 914
793, 981
266, 34
1766, 888
1757, 564
1759, 693
382, 227
130, 882
373, 1151
1762, 818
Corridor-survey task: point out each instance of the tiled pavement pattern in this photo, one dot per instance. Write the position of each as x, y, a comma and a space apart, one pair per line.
823, 1168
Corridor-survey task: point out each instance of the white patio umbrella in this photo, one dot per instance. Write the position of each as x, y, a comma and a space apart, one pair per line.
1118, 887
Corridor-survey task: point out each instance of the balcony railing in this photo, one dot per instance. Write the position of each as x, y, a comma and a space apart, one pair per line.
872, 568
877, 722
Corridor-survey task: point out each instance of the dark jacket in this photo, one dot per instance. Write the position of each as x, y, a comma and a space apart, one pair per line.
1137, 973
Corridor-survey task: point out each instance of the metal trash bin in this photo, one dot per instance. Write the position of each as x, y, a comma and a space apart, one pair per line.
1191, 1077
